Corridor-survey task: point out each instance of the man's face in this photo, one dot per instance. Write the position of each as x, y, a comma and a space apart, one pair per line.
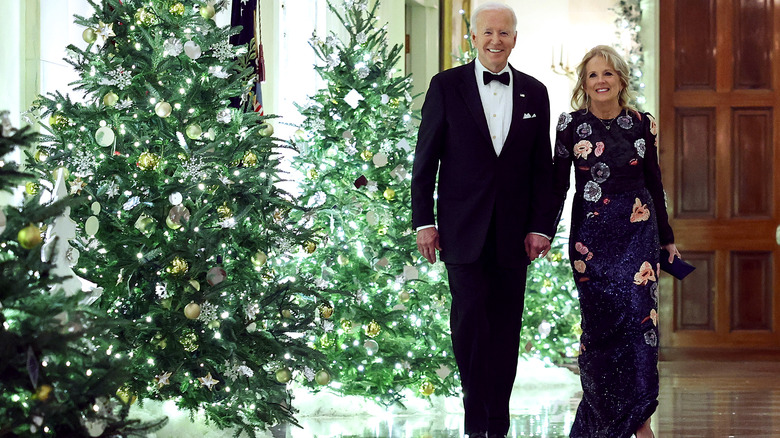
494, 38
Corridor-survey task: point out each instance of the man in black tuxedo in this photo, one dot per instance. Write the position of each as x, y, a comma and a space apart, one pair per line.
486, 131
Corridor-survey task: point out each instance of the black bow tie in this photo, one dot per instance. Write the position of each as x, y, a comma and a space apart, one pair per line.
503, 77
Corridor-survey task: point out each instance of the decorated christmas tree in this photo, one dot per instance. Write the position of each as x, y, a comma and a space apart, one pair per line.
385, 314
57, 379
186, 230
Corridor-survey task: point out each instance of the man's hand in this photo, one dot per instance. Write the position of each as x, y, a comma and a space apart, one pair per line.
535, 246
428, 243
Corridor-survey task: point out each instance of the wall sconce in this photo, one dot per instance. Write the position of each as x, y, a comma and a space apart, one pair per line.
561, 68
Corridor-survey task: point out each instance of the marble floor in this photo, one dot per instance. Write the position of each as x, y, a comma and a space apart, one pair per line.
705, 399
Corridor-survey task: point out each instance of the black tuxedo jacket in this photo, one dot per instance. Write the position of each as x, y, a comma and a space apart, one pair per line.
475, 185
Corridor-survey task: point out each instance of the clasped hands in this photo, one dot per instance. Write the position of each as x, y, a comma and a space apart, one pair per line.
428, 243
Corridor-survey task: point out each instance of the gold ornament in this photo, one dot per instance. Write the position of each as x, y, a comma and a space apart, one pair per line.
312, 173
326, 310
404, 296
58, 122
250, 159
347, 325
266, 130
283, 375
547, 283
163, 109
556, 256
148, 161
145, 18
342, 259
287, 313
178, 266
279, 215
171, 224
259, 259
373, 329
192, 310
309, 246
389, 194
32, 188
193, 131
29, 237
176, 9
89, 35
43, 392
326, 341
322, 377
224, 211
189, 340
110, 99
126, 395
207, 11
395, 102
214, 324
366, 155
41, 156
427, 388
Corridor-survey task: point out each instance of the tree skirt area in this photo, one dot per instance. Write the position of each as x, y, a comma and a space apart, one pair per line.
543, 404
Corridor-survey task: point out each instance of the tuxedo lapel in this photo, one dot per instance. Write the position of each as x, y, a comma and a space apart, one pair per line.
470, 93
519, 104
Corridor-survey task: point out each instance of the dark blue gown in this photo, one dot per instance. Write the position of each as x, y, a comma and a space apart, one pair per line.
618, 223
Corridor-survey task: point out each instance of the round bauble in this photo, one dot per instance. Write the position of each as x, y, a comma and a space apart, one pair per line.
178, 266
380, 159
224, 211
309, 247
43, 392
427, 388
322, 377
192, 310
216, 275
259, 259
326, 310
89, 35
148, 161
176, 9
189, 340
32, 188
104, 136
60, 171
373, 329
250, 159
110, 99
371, 346
40, 156
326, 341
126, 395
171, 224
404, 296
193, 131
162, 109
58, 122
366, 155
287, 313
29, 237
192, 50
178, 215
266, 130
207, 11
175, 198
389, 194
145, 18
342, 259
283, 375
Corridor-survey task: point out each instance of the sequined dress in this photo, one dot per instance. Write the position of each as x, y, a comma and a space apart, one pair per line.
618, 222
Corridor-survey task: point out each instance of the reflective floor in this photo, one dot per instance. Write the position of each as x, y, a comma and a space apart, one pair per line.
698, 399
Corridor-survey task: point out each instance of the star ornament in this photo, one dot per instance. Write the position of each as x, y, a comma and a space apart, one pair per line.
76, 186
208, 381
163, 379
105, 30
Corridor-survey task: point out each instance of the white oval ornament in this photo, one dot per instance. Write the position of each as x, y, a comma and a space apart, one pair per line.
104, 136
371, 218
380, 159
92, 225
192, 50
175, 198
2, 221
73, 257
95, 208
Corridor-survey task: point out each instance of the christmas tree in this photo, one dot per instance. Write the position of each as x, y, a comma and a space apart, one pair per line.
56, 376
385, 313
186, 230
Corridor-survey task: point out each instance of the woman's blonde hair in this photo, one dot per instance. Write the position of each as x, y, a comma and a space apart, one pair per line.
580, 99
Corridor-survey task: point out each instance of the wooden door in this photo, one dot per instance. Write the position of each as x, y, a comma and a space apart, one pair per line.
719, 145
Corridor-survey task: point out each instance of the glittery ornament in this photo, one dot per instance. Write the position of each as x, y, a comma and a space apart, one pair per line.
176, 9
312, 173
371, 346
326, 341
104, 136
29, 237
178, 266
216, 275
43, 392
373, 329
192, 310
148, 161
283, 375
189, 340
389, 194
366, 155
162, 109
110, 99
32, 188
224, 211
145, 18
58, 122
193, 131
259, 258
126, 395
347, 325
309, 246
249, 159
427, 388
89, 35
326, 310
322, 377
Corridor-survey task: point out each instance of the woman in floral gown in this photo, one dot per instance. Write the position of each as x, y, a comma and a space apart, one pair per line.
619, 223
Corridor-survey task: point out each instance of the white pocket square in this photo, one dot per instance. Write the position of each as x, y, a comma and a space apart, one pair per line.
529, 116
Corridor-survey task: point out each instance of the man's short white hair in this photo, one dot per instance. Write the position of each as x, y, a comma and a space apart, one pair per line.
492, 6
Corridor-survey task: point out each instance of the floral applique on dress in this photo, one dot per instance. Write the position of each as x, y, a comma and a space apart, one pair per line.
640, 213
645, 274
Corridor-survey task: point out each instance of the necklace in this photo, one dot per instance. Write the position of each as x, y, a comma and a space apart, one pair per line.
608, 124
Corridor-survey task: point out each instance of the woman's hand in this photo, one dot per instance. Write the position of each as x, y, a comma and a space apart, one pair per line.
672, 248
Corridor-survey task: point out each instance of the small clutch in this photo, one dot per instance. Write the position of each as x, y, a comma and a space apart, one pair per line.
679, 269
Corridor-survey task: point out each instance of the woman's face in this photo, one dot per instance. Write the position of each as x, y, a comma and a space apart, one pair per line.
602, 83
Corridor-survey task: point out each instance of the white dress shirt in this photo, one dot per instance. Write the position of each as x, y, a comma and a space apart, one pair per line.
497, 104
